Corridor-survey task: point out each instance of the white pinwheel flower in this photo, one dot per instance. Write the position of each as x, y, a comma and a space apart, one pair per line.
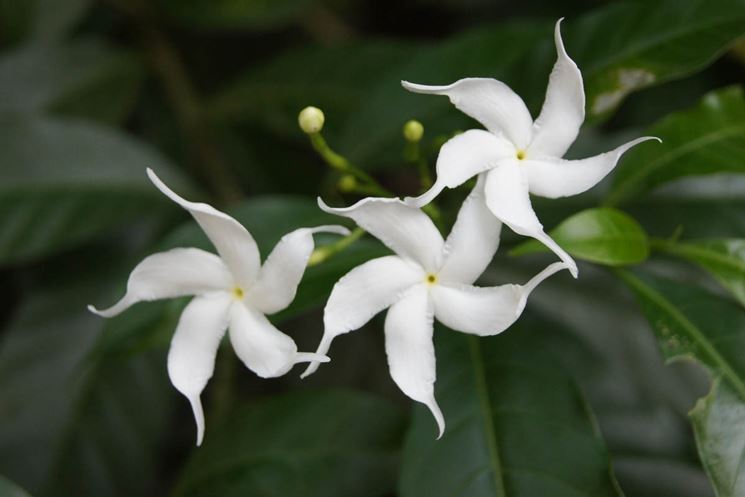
518, 155
232, 291
427, 278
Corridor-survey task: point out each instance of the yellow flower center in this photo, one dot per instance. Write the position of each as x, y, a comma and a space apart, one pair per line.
238, 293
521, 154
431, 279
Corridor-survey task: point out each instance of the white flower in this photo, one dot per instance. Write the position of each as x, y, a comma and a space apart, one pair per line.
232, 291
427, 278
520, 155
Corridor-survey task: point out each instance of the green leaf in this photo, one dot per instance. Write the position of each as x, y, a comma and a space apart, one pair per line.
518, 425
715, 420
704, 140
253, 15
724, 259
691, 323
303, 444
602, 235
70, 425
626, 47
103, 85
64, 182
10, 489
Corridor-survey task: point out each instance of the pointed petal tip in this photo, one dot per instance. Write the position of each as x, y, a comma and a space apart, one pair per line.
425, 89
439, 418
332, 228
312, 367
426, 197
311, 357
558, 41
104, 313
196, 407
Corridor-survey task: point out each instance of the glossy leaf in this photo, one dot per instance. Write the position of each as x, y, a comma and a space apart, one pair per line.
304, 444
723, 259
234, 14
70, 424
517, 424
629, 46
601, 235
691, 323
64, 182
704, 140
716, 421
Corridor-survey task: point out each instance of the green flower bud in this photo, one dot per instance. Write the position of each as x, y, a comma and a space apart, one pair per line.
347, 183
413, 131
311, 120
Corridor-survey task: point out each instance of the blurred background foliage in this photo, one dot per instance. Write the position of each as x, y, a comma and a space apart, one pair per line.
575, 400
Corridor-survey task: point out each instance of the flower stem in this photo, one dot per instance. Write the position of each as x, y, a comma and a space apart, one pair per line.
341, 164
322, 254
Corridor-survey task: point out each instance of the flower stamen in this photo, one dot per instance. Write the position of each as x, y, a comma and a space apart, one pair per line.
238, 293
431, 279
521, 154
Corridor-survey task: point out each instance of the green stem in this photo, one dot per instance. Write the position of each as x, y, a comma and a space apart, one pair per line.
322, 254
413, 154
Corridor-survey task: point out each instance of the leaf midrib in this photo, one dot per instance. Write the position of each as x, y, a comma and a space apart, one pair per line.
485, 404
709, 255
636, 49
693, 331
703, 140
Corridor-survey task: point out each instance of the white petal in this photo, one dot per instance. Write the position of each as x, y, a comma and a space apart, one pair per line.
564, 107
175, 273
473, 240
410, 350
233, 242
485, 311
463, 157
404, 229
508, 198
555, 178
282, 271
490, 102
263, 348
361, 294
191, 358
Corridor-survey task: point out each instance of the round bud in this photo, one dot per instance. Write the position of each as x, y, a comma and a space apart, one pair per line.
311, 120
413, 131
347, 183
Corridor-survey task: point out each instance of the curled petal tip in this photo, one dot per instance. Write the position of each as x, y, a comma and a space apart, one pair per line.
196, 406
311, 357
324, 206
331, 228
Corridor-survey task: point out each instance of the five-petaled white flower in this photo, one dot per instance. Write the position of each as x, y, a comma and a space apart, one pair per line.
231, 291
521, 156
428, 278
